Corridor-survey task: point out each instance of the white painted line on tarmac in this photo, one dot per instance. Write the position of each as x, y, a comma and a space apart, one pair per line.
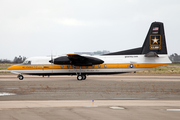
5, 93
12, 88
117, 108
172, 109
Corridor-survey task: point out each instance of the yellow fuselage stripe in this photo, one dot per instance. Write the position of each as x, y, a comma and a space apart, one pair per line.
105, 66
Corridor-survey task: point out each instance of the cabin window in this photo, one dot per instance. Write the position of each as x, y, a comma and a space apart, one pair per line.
105, 66
86, 67
99, 66
61, 66
92, 66
68, 66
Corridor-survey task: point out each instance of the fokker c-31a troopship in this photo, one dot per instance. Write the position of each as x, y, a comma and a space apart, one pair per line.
153, 53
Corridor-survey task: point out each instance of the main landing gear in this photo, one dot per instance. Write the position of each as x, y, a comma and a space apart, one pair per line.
21, 77
80, 76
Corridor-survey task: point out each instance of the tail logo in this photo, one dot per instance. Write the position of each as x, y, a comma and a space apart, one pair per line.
155, 42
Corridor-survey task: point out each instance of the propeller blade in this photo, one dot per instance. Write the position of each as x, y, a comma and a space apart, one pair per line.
52, 60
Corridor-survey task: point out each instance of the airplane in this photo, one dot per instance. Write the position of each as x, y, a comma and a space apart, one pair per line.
153, 53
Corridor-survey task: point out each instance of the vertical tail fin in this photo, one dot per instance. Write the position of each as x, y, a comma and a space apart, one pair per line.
155, 40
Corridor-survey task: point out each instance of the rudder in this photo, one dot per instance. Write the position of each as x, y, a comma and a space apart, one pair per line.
155, 40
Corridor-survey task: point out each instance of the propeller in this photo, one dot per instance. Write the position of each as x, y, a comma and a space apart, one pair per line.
52, 60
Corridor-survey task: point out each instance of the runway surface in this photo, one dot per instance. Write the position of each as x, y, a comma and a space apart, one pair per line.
63, 97
94, 87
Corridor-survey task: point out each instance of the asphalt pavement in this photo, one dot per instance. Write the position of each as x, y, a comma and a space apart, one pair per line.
97, 97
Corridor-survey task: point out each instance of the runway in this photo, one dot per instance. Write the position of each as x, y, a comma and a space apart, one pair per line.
63, 97
94, 87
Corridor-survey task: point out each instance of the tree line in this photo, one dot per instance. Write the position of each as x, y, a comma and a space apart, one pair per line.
19, 59
175, 58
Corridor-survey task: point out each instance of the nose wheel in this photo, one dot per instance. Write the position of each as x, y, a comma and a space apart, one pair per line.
81, 77
21, 77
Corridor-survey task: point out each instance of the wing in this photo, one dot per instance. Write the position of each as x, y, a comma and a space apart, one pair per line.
77, 60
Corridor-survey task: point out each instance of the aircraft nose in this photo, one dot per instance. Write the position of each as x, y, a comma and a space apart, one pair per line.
14, 67
11, 67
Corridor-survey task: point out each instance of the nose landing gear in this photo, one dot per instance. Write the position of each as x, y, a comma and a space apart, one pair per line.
21, 77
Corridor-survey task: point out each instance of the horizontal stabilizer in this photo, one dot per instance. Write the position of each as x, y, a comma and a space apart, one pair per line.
151, 54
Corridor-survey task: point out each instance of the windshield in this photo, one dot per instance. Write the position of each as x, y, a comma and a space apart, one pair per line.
27, 62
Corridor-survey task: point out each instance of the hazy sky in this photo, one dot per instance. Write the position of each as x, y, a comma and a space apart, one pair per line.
37, 27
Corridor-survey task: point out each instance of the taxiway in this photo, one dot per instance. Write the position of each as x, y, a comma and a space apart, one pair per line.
115, 97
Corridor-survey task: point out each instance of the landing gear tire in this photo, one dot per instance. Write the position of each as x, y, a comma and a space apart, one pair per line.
79, 77
84, 77
20, 77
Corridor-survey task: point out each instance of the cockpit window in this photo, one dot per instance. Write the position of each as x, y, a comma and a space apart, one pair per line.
27, 62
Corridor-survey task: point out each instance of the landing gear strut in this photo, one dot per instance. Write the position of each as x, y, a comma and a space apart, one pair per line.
80, 76
20, 77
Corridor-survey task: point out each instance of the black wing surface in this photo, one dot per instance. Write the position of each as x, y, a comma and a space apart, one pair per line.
77, 60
